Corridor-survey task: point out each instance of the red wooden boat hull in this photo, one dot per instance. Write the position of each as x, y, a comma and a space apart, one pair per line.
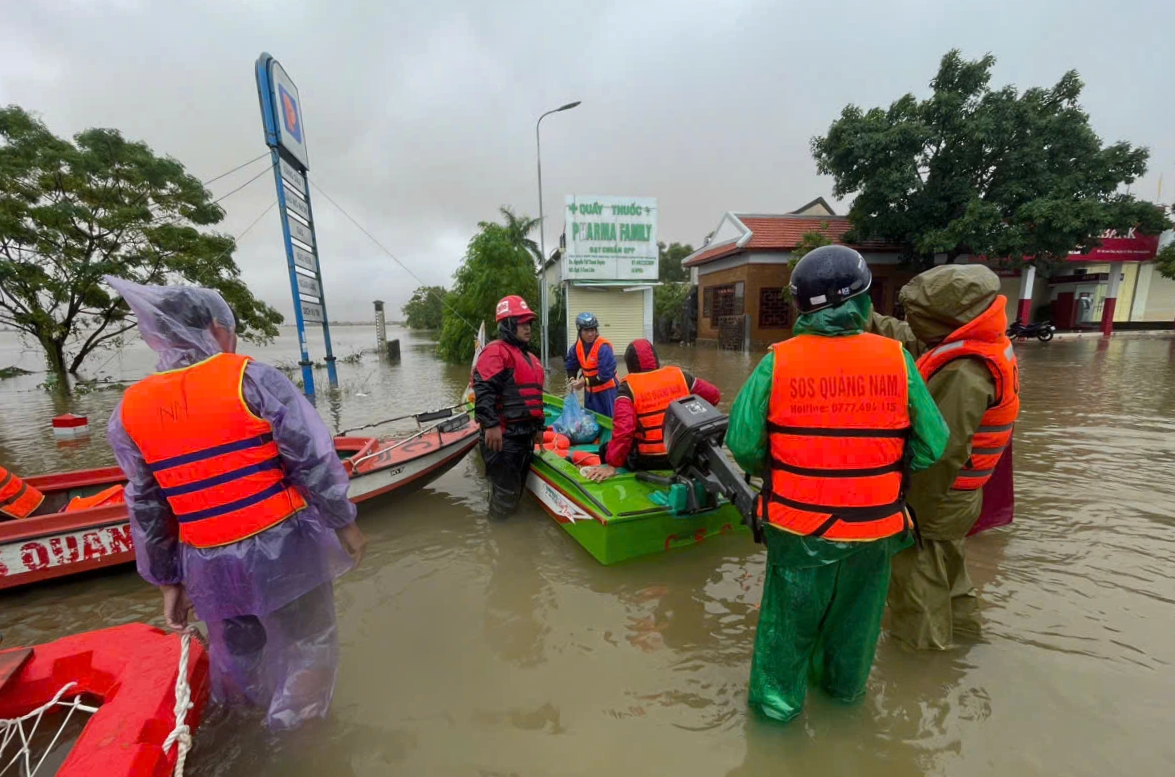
131, 670
56, 544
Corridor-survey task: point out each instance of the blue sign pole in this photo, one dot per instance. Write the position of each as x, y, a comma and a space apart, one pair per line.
281, 114
331, 373
306, 364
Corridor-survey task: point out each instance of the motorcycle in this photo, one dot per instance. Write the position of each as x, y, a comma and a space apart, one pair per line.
1042, 331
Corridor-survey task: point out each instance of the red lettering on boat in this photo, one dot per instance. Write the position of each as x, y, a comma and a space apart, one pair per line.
92, 546
119, 538
34, 556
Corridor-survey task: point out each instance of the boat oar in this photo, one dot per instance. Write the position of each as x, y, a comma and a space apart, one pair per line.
423, 418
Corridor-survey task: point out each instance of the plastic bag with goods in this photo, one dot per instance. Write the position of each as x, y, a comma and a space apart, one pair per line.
575, 422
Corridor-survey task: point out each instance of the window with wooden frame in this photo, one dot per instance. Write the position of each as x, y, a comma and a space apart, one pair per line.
774, 309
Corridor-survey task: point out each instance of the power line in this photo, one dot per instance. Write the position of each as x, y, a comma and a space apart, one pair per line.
230, 172
242, 186
389, 253
236, 239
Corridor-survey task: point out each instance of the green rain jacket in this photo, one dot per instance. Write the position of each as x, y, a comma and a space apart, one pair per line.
747, 435
938, 302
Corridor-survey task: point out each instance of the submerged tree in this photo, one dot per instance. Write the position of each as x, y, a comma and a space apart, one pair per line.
424, 310
71, 212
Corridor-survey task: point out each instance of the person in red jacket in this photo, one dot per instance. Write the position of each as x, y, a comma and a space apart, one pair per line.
640, 411
508, 406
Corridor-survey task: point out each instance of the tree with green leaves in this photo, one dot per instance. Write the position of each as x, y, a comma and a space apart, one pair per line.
1165, 261
982, 171
809, 241
72, 212
518, 229
426, 307
669, 262
495, 266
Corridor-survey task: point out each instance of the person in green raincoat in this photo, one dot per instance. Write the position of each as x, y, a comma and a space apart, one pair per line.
955, 307
833, 419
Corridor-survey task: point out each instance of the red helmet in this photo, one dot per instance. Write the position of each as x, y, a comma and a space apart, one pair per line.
514, 307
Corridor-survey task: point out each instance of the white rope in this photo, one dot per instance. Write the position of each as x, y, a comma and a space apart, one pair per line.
13, 728
182, 733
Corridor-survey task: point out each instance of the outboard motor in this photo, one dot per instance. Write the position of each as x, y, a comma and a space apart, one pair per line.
693, 432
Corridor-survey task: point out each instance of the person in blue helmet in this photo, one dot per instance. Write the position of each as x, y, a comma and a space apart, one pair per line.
591, 366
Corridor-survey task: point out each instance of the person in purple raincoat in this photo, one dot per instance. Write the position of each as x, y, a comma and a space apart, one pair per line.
267, 599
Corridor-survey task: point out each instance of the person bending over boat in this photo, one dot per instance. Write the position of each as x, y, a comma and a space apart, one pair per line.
833, 419
238, 505
508, 405
955, 324
640, 411
593, 358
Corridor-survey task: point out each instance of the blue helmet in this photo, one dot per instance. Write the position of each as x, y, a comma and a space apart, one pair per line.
586, 321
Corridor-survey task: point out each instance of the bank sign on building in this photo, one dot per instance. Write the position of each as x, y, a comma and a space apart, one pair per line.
610, 265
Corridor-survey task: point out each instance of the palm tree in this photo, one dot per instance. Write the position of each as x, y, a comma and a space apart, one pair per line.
518, 228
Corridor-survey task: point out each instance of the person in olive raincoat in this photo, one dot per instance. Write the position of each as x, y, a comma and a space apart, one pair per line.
833, 419
955, 325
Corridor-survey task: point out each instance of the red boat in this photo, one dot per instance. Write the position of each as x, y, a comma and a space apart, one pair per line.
128, 673
52, 543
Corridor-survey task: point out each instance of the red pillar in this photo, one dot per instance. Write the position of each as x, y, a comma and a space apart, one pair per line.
1108, 315
1111, 300
1024, 309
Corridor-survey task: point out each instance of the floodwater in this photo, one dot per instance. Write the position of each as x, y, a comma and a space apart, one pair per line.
479, 648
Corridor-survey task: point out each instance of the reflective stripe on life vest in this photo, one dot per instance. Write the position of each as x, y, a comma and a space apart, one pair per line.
216, 462
983, 338
651, 394
589, 364
17, 498
837, 423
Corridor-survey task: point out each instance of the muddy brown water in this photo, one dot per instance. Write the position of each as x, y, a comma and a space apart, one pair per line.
478, 648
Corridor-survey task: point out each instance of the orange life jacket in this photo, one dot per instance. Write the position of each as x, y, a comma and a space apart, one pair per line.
651, 394
983, 338
589, 364
216, 463
115, 495
17, 498
837, 424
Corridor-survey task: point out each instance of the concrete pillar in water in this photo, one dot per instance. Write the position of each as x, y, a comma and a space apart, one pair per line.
1024, 309
381, 328
1111, 299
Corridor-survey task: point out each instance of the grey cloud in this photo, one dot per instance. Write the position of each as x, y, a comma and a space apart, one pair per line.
420, 118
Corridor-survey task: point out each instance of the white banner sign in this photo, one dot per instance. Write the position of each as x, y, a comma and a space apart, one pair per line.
300, 231
311, 312
293, 177
611, 239
296, 204
305, 259
309, 286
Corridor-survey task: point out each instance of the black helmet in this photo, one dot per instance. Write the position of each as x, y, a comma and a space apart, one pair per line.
827, 276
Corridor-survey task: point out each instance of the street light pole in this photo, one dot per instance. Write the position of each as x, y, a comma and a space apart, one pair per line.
542, 237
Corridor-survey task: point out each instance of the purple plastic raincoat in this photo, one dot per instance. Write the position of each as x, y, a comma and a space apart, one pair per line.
267, 599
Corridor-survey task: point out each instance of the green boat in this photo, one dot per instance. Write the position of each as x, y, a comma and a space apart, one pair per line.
623, 517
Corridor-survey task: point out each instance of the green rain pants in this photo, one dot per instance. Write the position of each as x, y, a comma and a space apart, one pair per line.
818, 620
931, 598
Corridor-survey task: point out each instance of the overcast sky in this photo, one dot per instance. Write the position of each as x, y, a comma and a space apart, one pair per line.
420, 117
